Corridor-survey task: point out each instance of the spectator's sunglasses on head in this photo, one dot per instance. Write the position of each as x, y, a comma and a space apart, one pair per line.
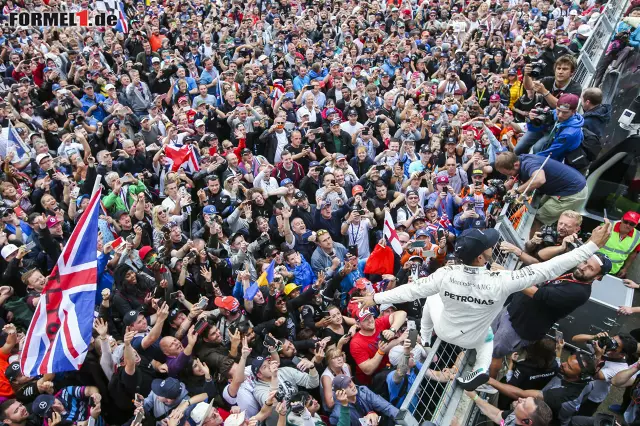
321, 232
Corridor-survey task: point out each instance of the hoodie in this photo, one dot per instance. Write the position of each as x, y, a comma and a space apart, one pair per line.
567, 136
597, 118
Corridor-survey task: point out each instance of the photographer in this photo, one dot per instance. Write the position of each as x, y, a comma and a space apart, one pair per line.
551, 88
565, 233
616, 353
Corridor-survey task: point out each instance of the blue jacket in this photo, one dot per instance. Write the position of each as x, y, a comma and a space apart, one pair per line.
390, 69
462, 224
597, 118
303, 275
567, 136
366, 401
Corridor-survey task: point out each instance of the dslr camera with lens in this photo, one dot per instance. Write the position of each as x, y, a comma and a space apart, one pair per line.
536, 68
607, 343
544, 117
549, 235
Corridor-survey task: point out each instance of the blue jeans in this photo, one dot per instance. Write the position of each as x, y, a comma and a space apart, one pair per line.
537, 140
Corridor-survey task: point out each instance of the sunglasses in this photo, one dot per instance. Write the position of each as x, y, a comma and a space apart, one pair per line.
321, 232
626, 222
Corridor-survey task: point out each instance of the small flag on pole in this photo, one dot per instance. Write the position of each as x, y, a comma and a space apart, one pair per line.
390, 233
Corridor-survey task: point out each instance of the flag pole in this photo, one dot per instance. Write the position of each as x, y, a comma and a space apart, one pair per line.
96, 185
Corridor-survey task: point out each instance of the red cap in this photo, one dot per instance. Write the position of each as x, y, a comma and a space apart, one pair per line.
358, 189
182, 99
442, 179
144, 250
229, 303
52, 221
363, 313
361, 283
568, 101
632, 217
494, 98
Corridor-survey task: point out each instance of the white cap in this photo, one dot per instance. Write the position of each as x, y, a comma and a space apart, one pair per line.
109, 87
199, 123
41, 157
262, 58
573, 12
348, 69
386, 306
585, 30
235, 419
8, 250
198, 412
419, 354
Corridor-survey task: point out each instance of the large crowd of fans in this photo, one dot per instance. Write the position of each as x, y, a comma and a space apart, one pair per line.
251, 155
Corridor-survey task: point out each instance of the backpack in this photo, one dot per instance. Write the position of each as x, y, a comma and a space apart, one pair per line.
582, 157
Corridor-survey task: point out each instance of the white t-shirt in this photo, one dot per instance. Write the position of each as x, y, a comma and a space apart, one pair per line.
358, 235
282, 142
347, 127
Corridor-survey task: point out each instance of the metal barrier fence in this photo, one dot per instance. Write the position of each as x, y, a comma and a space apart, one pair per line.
596, 45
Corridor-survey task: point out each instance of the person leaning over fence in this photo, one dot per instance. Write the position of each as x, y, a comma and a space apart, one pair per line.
526, 411
562, 187
464, 299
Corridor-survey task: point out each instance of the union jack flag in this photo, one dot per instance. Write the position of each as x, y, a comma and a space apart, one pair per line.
60, 331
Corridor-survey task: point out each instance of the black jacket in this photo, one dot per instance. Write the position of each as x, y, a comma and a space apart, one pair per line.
597, 119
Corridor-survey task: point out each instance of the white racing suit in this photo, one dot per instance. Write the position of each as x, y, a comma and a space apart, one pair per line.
462, 301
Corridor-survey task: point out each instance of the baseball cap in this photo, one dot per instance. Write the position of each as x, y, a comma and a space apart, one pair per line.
42, 405
291, 287
144, 250
245, 151
494, 98
155, 59
109, 87
341, 381
199, 123
386, 306
285, 181
331, 111
166, 388
41, 157
235, 419
451, 140
364, 313
198, 412
313, 164
117, 215
352, 112
13, 371
478, 224
340, 156
52, 221
55, 87
257, 363
130, 317
229, 303
209, 209
472, 242
300, 195
361, 283
8, 250
512, 72
173, 262
425, 149
412, 192
335, 122
632, 217
477, 172
442, 179
182, 99
604, 262
568, 102
357, 189
467, 199
421, 233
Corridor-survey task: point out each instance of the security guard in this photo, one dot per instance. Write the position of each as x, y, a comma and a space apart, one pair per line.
624, 244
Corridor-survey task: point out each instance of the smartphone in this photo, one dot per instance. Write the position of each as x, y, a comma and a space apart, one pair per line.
30, 246
440, 233
203, 302
138, 418
416, 244
413, 336
296, 360
381, 167
559, 336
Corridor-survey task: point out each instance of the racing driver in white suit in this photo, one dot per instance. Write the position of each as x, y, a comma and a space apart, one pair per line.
467, 298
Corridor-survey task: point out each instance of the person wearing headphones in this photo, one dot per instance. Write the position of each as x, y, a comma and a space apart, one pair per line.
573, 376
527, 411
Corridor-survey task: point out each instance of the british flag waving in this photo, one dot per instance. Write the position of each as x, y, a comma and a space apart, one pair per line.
60, 331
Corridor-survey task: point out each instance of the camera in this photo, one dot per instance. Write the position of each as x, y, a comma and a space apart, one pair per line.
80, 119
202, 324
544, 117
536, 68
607, 343
219, 252
574, 244
270, 341
495, 188
549, 235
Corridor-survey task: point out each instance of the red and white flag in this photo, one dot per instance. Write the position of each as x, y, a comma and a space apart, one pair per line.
182, 155
390, 233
